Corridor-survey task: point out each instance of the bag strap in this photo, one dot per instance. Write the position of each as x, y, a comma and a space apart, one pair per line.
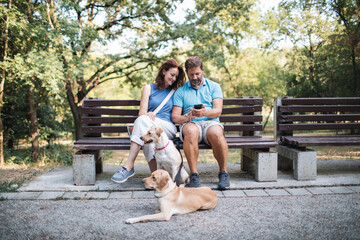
164, 101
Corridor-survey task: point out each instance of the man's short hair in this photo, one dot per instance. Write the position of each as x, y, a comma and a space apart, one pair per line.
193, 62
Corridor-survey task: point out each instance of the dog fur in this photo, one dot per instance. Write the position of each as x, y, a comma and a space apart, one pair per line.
175, 200
168, 158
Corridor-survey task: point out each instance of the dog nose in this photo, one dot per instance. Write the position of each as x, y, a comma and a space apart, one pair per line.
141, 138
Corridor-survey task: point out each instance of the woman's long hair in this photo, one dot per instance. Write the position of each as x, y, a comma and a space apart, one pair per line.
160, 78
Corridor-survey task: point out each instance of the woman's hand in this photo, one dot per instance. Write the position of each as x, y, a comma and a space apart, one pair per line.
151, 115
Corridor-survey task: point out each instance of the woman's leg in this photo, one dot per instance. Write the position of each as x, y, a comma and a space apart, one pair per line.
134, 151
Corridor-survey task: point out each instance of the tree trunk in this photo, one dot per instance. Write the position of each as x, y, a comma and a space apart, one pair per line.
6, 40
75, 110
34, 128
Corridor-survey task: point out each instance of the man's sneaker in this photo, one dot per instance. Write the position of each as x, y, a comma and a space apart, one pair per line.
224, 181
194, 181
122, 175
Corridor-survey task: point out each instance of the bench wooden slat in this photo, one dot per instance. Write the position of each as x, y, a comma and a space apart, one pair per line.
108, 120
102, 102
122, 129
243, 109
303, 141
243, 101
329, 108
320, 117
318, 126
110, 111
99, 120
124, 143
321, 101
228, 101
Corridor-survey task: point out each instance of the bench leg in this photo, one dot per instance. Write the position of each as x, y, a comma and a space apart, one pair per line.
262, 163
303, 163
84, 172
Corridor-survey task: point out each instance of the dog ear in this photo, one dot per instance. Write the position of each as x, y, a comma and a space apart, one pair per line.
164, 179
158, 131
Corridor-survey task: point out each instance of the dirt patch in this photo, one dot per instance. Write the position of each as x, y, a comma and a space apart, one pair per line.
13, 174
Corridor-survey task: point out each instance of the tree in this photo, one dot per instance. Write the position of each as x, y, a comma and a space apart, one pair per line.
2, 83
347, 12
143, 26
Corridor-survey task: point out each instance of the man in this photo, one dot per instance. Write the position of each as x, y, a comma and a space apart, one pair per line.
201, 124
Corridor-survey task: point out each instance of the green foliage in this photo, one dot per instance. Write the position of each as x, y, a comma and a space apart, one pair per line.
12, 186
53, 155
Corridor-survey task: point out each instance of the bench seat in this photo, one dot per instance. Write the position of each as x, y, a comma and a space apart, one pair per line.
123, 143
304, 141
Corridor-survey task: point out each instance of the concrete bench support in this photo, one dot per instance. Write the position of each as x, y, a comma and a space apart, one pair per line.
84, 169
303, 163
262, 164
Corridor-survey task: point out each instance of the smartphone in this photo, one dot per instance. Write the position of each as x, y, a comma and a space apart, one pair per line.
198, 106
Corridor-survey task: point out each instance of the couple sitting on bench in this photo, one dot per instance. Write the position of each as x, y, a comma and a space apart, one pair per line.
161, 107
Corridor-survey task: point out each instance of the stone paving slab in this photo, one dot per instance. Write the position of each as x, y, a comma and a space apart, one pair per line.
120, 195
9, 196
50, 195
27, 195
319, 190
255, 193
340, 190
97, 195
355, 188
277, 192
74, 195
234, 193
298, 191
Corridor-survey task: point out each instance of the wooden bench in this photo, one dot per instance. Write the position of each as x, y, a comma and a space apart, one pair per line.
105, 125
335, 120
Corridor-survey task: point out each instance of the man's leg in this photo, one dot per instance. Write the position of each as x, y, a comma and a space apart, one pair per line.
191, 147
216, 137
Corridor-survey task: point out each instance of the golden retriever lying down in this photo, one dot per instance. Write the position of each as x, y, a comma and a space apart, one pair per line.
175, 200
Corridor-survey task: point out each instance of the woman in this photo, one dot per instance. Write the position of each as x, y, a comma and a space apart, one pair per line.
170, 76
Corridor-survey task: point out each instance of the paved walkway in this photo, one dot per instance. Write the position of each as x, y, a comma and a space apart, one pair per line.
334, 177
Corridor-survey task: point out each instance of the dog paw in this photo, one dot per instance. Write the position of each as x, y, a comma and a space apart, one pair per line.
130, 221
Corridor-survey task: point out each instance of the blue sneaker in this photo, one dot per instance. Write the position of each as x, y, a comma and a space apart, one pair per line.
195, 181
224, 181
122, 175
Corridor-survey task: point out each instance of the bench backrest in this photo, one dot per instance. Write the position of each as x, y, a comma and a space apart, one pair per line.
304, 114
113, 116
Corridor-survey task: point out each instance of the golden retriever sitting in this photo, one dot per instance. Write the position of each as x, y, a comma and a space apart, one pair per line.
175, 200
166, 155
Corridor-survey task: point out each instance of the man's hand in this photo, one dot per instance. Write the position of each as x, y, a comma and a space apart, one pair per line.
199, 112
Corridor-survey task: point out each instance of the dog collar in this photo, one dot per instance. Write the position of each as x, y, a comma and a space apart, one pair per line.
163, 147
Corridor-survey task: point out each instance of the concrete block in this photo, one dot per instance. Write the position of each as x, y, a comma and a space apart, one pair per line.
84, 169
27, 195
302, 162
264, 164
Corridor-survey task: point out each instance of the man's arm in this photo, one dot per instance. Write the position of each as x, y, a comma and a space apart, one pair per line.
211, 113
177, 118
